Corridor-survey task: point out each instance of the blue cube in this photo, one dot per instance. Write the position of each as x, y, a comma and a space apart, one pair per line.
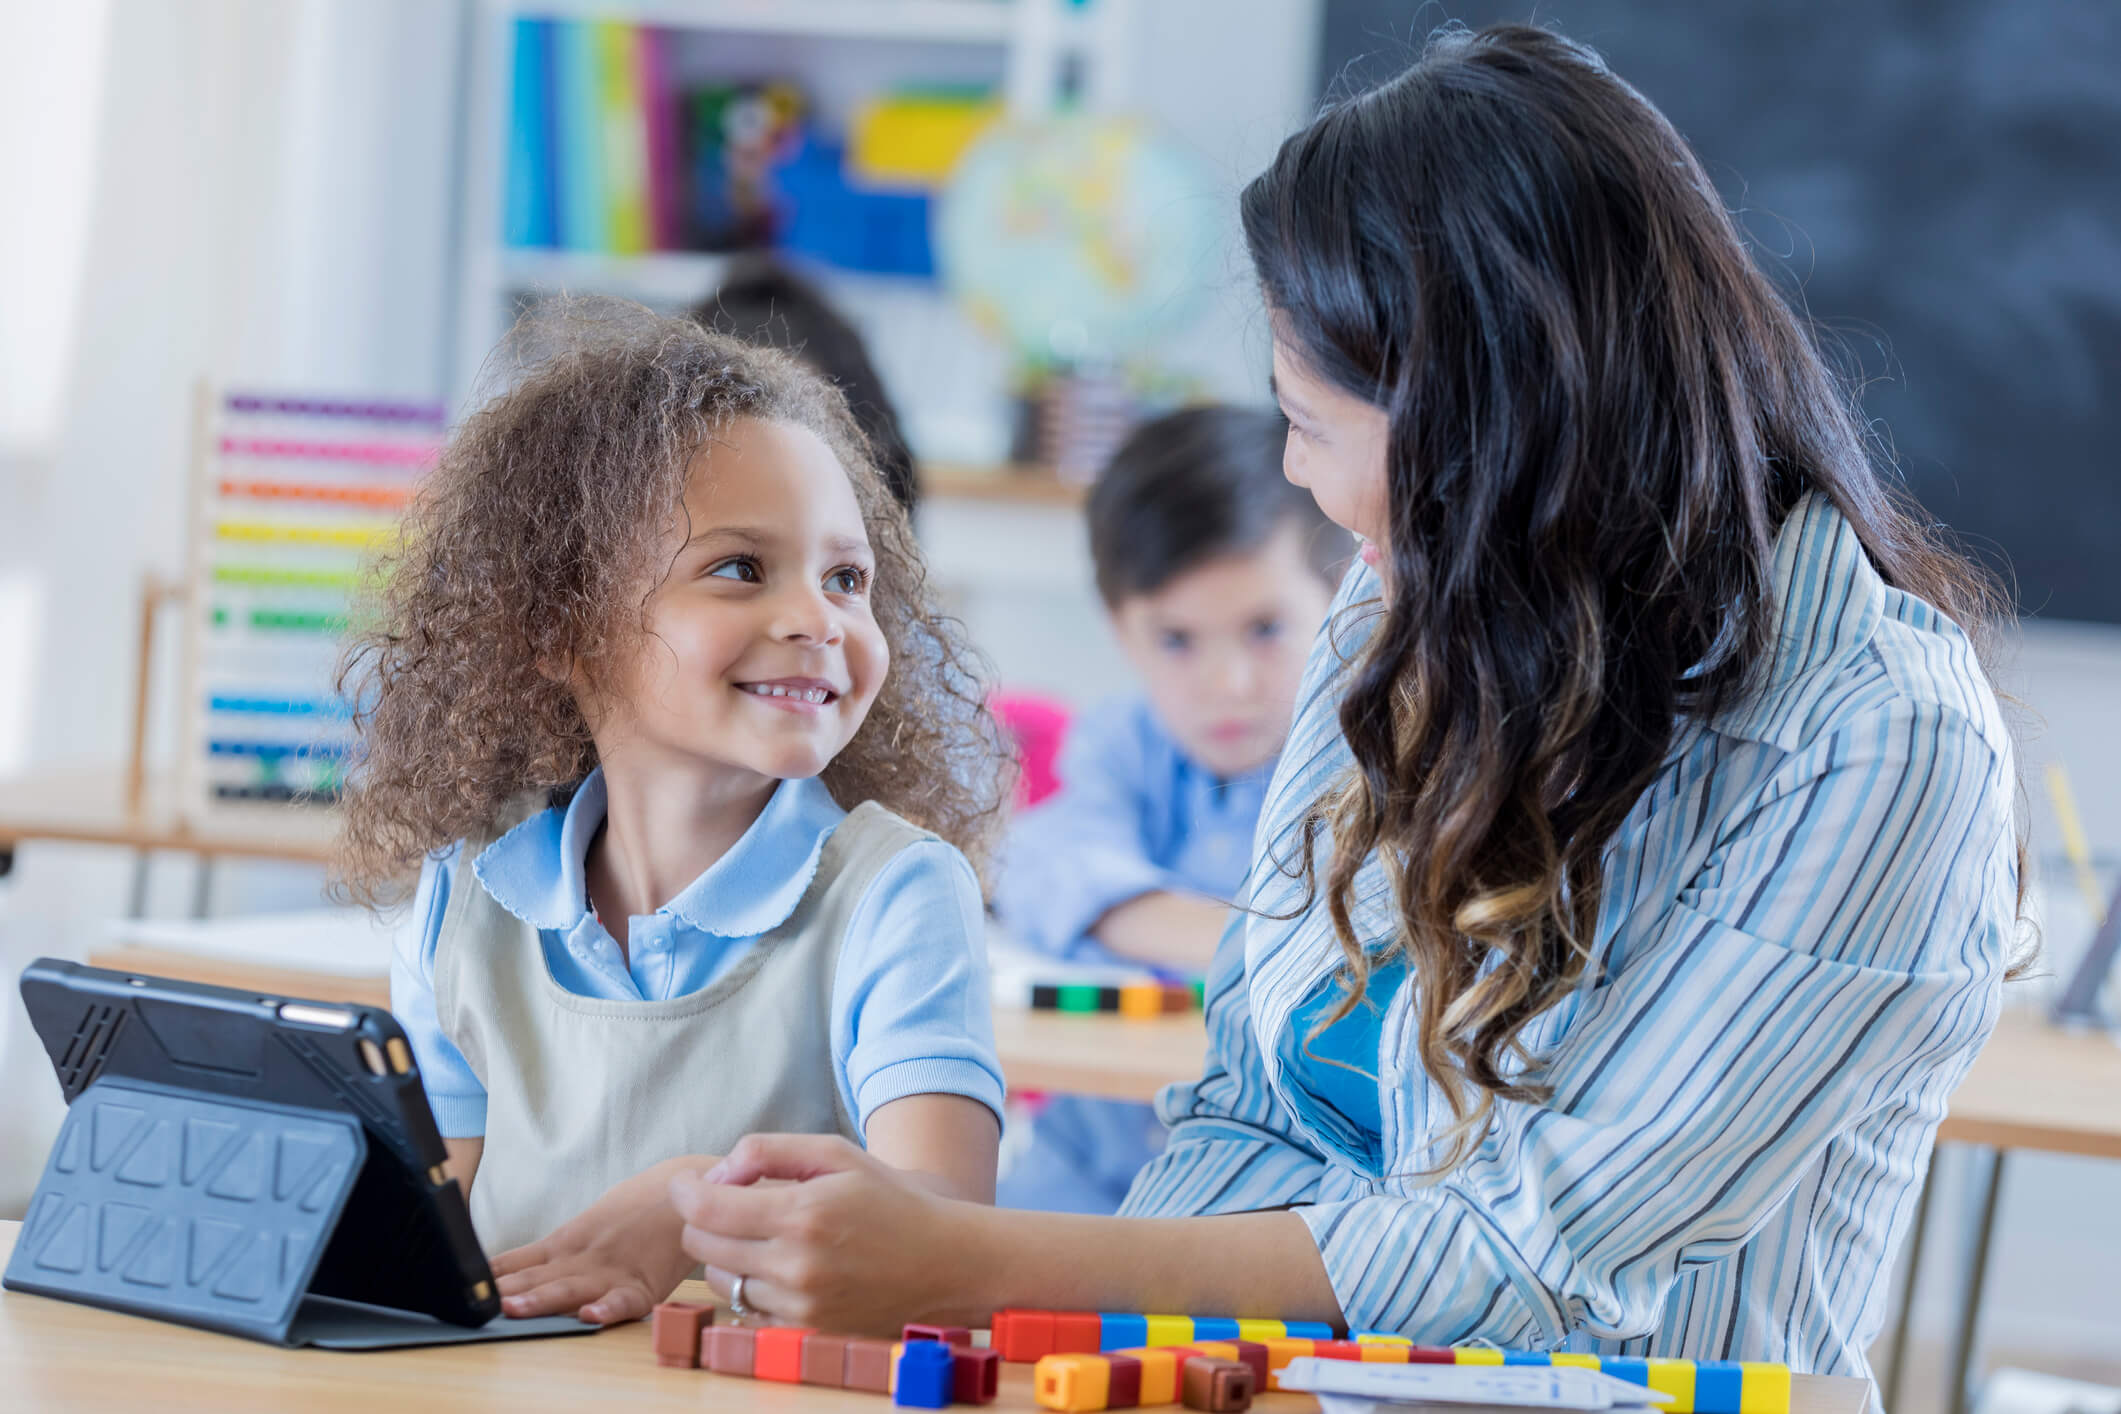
1121, 1332
1309, 1330
1622, 1367
925, 1377
1214, 1328
1527, 1357
1719, 1387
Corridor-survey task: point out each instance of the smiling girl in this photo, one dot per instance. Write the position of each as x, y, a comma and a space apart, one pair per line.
657, 710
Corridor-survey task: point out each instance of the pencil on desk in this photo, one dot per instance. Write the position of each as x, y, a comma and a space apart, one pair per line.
2074, 843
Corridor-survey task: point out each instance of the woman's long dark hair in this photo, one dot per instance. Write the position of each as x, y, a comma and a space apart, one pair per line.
1601, 413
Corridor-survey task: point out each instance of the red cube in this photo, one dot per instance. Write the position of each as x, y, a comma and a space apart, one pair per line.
977, 1374
868, 1366
824, 1360
778, 1353
948, 1335
1337, 1350
1124, 1389
1077, 1333
1024, 1336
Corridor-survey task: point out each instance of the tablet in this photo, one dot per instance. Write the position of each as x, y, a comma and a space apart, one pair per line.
403, 1239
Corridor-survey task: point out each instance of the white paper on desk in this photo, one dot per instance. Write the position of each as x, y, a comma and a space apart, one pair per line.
1494, 1386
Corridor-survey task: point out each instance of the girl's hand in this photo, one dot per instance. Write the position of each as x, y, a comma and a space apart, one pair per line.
851, 1244
612, 1262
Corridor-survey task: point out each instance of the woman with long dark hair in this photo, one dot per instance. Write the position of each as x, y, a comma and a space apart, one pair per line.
1640, 873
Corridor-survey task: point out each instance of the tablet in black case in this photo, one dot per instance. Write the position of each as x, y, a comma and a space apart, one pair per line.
264, 1166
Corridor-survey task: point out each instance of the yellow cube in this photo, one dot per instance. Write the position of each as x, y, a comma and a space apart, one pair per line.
1070, 1382
1159, 1373
1675, 1378
1765, 1389
1573, 1359
1385, 1352
1476, 1355
1261, 1330
1380, 1338
1169, 1330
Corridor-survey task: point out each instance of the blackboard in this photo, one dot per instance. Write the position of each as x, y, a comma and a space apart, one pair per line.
1939, 181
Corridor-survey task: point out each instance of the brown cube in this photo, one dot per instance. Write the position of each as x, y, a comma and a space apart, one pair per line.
730, 1349
867, 1366
948, 1335
825, 1360
1215, 1384
977, 1374
676, 1333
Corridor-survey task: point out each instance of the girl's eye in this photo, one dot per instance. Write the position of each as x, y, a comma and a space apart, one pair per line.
1266, 630
847, 579
737, 567
1176, 640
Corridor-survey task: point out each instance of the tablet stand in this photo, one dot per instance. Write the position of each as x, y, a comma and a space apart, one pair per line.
2079, 1003
212, 1212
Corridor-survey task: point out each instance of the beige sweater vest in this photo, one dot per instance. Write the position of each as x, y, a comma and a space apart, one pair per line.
582, 1092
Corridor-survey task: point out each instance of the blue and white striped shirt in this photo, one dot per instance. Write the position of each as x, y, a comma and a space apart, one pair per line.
1805, 924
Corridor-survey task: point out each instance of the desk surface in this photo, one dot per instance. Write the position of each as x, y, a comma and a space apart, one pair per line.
2037, 1086
86, 805
55, 1356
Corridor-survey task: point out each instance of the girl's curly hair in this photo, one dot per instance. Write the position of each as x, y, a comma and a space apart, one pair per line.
534, 542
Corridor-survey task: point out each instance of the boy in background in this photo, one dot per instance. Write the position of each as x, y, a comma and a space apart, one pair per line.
1216, 573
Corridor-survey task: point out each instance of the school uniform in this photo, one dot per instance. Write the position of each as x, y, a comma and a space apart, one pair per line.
1133, 816
829, 963
1805, 922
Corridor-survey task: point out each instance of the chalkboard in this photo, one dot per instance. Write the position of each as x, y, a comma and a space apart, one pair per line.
1939, 181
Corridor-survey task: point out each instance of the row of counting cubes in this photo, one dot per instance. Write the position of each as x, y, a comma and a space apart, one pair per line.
1027, 1335
1139, 1000
1265, 1347
1131, 1379
931, 1368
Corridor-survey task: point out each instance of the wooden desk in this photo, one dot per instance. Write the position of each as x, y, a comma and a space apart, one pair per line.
2034, 1086
57, 1356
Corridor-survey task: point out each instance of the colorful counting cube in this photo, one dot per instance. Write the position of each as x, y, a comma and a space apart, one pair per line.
1214, 1328
777, 1354
1765, 1389
976, 1375
824, 1360
676, 1333
1073, 1383
1249, 1353
1280, 1353
867, 1366
1221, 1385
1023, 1336
1170, 1330
922, 1375
1159, 1374
948, 1335
730, 1350
1074, 1333
1119, 1331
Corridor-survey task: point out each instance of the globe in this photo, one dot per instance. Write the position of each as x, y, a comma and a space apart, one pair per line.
1077, 240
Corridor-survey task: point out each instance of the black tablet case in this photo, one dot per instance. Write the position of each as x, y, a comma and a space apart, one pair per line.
223, 1166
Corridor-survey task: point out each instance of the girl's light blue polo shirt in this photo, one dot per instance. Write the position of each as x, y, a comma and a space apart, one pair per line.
910, 1001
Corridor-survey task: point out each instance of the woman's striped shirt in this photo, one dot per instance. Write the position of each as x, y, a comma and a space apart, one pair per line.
1805, 923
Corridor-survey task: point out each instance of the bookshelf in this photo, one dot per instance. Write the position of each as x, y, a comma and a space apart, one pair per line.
1034, 55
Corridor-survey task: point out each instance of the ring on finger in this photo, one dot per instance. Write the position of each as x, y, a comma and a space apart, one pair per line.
737, 1305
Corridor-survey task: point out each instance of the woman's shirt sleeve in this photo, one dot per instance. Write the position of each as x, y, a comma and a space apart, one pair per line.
453, 1092
1081, 853
912, 1009
1232, 1149
1835, 958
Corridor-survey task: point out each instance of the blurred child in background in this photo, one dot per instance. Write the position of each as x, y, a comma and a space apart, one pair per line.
1216, 573
764, 302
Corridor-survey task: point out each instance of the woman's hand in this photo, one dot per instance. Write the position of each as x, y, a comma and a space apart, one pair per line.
852, 1244
612, 1262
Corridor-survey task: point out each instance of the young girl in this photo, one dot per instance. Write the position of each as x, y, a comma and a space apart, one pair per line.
656, 693
1640, 872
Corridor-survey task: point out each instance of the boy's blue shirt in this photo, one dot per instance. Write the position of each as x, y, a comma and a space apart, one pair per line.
1133, 816
910, 998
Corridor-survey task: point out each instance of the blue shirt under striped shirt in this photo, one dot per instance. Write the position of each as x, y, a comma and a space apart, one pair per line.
1805, 924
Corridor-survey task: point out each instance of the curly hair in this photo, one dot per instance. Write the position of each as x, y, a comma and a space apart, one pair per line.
535, 541
1601, 412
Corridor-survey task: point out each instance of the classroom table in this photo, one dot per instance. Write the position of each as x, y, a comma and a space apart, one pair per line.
2035, 1086
56, 1355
